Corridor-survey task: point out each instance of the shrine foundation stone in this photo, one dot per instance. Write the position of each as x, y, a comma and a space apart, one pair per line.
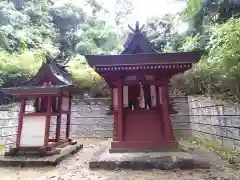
188, 157
30, 161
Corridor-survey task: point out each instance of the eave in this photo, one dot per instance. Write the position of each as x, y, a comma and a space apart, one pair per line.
143, 59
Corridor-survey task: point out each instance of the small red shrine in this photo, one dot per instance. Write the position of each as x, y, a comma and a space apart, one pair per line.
51, 90
139, 80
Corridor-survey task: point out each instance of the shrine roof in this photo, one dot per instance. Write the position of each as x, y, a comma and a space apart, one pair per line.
34, 90
51, 69
144, 59
137, 42
139, 51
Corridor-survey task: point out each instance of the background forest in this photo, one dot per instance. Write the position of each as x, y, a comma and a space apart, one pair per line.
32, 29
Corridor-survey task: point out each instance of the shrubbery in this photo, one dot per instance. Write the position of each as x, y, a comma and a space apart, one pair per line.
218, 72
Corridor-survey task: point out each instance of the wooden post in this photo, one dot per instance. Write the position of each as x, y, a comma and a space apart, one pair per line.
69, 117
20, 121
48, 119
120, 111
58, 125
168, 129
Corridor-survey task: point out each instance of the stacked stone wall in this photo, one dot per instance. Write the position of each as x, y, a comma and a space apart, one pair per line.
214, 120
91, 118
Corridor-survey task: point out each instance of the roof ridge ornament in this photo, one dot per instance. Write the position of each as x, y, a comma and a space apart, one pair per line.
137, 29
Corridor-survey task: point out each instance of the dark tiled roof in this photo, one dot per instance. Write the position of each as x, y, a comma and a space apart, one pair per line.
141, 59
138, 50
51, 89
137, 42
52, 69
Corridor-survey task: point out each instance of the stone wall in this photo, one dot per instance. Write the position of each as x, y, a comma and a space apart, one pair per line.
198, 116
214, 120
8, 123
180, 119
89, 118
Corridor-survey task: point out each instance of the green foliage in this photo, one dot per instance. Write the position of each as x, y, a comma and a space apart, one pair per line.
32, 26
230, 154
41, 27
160, 30
16, 68
217, 33
217, 73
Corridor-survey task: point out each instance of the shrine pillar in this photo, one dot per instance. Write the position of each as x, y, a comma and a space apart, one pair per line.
167, 124
120, 112
58, 124
69, 107
48, 120
20, 121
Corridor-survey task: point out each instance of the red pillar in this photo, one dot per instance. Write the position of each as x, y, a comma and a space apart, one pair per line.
48, 119
168, 129
69, 117
58, 125
120, 111
20, 121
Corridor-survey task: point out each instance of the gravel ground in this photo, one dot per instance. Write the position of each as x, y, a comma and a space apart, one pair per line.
76, 168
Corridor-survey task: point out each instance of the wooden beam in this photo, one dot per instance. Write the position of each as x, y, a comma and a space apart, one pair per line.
58, 124
48, 119
120, 111
69, 117
20, 121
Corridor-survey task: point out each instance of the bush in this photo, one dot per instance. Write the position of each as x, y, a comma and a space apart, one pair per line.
218, 72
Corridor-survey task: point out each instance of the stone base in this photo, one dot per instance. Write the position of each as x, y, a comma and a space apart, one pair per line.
38, 151
27, 160
167, 160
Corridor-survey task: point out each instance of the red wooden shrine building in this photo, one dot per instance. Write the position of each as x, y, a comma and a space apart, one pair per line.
50, 89
139, 79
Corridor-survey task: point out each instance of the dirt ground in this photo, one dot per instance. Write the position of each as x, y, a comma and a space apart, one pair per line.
76, 168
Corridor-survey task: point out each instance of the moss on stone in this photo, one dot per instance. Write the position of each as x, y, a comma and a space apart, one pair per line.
227, 153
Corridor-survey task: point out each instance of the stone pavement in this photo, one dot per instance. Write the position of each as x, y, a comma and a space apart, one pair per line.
77, 168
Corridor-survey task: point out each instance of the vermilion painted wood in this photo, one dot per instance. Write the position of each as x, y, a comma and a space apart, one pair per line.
20, 121
69, 117
46, 75
120, 111
48, 119
142, 128
58, 124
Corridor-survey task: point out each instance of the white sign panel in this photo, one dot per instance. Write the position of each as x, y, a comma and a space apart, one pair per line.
65, 104
153, 95
33, 131
115, 97
160, 95
125, 96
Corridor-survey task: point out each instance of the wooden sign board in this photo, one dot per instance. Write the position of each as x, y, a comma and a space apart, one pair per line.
65, 104
33, 131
